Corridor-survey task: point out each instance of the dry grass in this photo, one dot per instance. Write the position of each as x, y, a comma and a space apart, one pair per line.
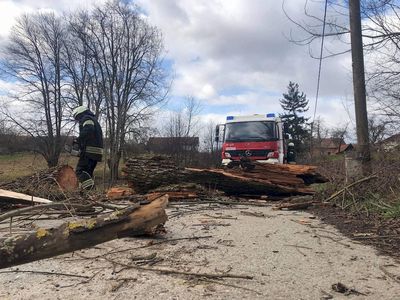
380, 194
20, 164
17, 165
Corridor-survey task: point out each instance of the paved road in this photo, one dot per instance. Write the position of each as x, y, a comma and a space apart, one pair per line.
291, 255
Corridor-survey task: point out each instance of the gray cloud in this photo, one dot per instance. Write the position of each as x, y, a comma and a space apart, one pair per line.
240, 45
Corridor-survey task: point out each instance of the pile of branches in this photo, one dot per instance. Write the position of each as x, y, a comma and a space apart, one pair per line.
378, 191
54, 184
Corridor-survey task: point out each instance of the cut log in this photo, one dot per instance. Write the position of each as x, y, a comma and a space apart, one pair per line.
75, 235
119, 192
19, 198
49, 184
148, 173
66, 178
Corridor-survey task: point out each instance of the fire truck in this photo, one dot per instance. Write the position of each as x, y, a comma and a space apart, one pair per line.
257, 137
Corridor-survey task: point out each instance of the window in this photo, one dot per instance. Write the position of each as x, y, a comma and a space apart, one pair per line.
255, 131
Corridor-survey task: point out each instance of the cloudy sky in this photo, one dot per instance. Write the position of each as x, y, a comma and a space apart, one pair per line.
234, 56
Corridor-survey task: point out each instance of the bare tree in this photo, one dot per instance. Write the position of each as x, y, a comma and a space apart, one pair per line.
339, 134
210, 145
378, 130
384, 74
84, 84
125, 55
337, 24
381, 36
32, 58
182, 131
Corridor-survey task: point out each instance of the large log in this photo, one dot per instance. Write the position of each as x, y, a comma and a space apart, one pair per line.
75, 235
147, 173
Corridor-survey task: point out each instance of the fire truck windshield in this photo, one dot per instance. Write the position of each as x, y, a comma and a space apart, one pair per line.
250, 131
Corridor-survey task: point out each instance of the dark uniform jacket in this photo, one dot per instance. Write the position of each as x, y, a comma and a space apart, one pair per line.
90, 137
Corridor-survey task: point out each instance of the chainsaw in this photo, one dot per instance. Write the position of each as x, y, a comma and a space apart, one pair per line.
74, 148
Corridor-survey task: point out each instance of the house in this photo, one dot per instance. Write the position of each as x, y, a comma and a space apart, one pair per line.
390, 143
173, 145
330, 146
345, 148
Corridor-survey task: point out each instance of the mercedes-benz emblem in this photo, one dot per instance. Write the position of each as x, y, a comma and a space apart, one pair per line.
247, 153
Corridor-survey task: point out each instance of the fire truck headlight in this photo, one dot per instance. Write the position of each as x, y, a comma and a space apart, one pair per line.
227, 154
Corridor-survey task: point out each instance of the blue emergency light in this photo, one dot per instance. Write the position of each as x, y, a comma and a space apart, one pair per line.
272, 115
229, 118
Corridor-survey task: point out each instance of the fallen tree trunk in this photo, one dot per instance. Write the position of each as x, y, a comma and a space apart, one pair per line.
75, 235
148, 173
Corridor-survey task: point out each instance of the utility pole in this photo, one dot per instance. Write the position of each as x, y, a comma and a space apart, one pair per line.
360, 102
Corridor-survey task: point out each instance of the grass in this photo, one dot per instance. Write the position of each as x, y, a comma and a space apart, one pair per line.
393, 211
387, 205
17, 165
13, 166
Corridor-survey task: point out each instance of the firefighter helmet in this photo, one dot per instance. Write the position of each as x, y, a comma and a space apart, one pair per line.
79, 110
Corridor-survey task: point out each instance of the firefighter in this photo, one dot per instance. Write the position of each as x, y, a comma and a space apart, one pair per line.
291, 154
90, 143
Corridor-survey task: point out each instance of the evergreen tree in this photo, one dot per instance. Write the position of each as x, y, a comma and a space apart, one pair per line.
295, 103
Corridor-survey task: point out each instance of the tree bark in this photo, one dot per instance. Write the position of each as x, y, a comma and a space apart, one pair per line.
75, 235
147, 173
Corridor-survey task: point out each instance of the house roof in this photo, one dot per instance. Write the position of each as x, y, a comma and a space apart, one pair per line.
391, 139
344, 148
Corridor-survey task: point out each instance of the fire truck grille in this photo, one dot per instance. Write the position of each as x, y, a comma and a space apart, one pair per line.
248, 153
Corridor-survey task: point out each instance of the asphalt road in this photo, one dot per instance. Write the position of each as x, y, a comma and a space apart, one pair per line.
290, 255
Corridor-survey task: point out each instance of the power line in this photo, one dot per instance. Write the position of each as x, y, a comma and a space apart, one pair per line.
320, 60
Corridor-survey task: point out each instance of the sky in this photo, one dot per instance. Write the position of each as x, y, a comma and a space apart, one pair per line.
233, 56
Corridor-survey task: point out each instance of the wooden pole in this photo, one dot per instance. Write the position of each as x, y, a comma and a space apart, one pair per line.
360, 102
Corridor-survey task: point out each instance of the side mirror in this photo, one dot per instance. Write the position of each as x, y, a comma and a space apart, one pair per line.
286, 136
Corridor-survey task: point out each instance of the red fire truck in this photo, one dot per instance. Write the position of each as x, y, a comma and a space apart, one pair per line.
254, 137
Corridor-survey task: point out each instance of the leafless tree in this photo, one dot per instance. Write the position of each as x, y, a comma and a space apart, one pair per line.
378, 129
384, 74
32, 58
84, 83
320, 132
381, 36
210, 145
337, 24
125, 57
183, 123
339, 134
182, 131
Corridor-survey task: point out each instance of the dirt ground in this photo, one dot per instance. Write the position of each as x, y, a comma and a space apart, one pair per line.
288, 255
373, 229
